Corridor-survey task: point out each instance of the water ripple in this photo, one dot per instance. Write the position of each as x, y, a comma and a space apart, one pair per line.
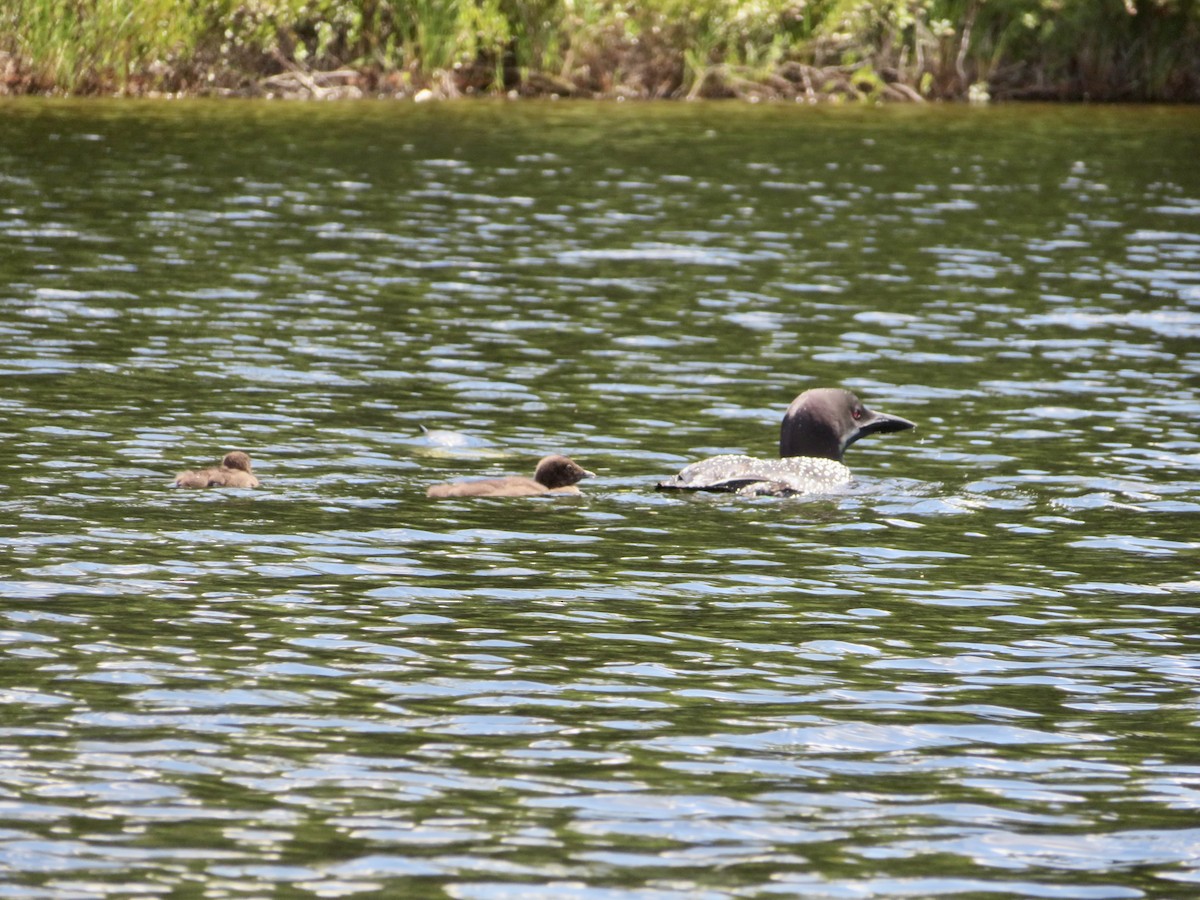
972, 672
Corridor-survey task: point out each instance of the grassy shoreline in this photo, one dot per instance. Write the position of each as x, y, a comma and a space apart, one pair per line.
807, 50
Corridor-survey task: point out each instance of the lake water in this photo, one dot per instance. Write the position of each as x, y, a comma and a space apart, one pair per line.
974, 673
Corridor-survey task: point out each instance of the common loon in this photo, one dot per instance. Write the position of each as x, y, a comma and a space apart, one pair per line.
817, 428
234, 471
553, 475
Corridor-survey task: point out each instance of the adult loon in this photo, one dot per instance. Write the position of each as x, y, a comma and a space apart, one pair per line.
234, 471
817, 428
553, 475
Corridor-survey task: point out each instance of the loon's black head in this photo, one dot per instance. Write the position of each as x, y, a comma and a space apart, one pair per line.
559, 471
825, 421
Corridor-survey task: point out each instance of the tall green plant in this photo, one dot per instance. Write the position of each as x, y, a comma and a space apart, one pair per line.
70, 43
1108, 49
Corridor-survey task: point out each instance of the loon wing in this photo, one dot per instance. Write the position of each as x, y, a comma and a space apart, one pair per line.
750, 475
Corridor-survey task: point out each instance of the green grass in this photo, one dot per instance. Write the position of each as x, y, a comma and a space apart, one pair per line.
863, 49
85, 46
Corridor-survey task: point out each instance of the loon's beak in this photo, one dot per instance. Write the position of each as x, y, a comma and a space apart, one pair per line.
882, 423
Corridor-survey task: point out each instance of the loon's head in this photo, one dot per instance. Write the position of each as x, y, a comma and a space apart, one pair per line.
823, 422
237, 460
559, 471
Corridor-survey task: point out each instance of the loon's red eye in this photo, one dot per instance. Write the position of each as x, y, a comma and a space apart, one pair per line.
857, 412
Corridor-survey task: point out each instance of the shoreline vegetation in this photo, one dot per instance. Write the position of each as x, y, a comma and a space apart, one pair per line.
799, 50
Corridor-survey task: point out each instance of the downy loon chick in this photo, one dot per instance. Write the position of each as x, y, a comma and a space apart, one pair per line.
817, 428
554, 475
234, 471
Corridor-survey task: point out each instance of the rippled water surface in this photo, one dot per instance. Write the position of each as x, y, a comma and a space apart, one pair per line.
974, 673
